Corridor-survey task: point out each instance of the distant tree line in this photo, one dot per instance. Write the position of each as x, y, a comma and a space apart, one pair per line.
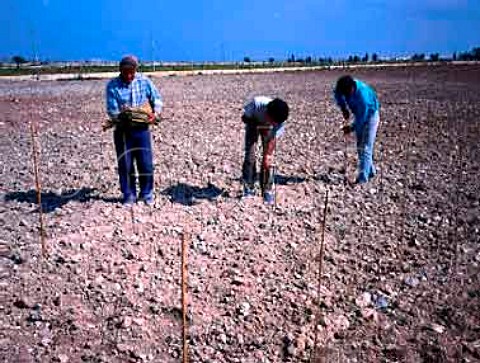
473, 55
293, 59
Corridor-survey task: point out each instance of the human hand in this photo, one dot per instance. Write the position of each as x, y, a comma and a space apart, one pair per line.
152, 118
347, 129
107, 125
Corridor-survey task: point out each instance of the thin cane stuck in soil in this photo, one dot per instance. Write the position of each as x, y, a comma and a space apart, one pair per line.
345, 160
185, 243
38, 187
132, 217
320, 269
132, 212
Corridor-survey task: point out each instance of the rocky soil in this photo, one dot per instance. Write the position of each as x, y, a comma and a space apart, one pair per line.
400, 279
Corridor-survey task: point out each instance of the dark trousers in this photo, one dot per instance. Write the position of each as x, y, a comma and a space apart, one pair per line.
133, 145
252, 134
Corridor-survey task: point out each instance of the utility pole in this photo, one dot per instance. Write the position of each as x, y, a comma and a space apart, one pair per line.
153, 50
222, 46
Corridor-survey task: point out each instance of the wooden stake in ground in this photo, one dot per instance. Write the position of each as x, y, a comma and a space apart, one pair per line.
320, 269
132, 212
38, 187
132, 217
185, 244
345, 160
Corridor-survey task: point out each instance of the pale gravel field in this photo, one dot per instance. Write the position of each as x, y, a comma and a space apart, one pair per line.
401, 272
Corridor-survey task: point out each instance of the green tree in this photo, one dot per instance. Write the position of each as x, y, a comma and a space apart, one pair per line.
374, 57
476, 53
247, 59
465, 56
418, 57
18, 60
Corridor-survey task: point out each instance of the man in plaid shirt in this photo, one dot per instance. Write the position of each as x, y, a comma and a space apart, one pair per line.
133, 141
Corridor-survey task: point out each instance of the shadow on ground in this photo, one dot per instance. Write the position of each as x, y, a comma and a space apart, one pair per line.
51, 201
288, 179
189, 195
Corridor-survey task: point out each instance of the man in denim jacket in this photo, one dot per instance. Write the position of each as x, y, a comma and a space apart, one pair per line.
362, 101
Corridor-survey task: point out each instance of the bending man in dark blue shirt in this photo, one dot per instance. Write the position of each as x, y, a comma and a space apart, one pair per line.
362, 101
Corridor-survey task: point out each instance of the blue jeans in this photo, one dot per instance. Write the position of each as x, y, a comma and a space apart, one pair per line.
366, 135
134, 145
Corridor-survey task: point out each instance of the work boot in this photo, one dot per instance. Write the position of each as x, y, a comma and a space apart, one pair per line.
269, 198
128, 200
148, 200
248, 192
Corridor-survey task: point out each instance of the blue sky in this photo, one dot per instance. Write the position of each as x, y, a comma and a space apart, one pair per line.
229, 30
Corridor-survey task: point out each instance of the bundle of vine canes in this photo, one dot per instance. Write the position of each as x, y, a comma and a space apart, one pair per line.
133, 116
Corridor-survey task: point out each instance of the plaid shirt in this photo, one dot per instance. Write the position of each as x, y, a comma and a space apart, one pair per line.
140, 90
